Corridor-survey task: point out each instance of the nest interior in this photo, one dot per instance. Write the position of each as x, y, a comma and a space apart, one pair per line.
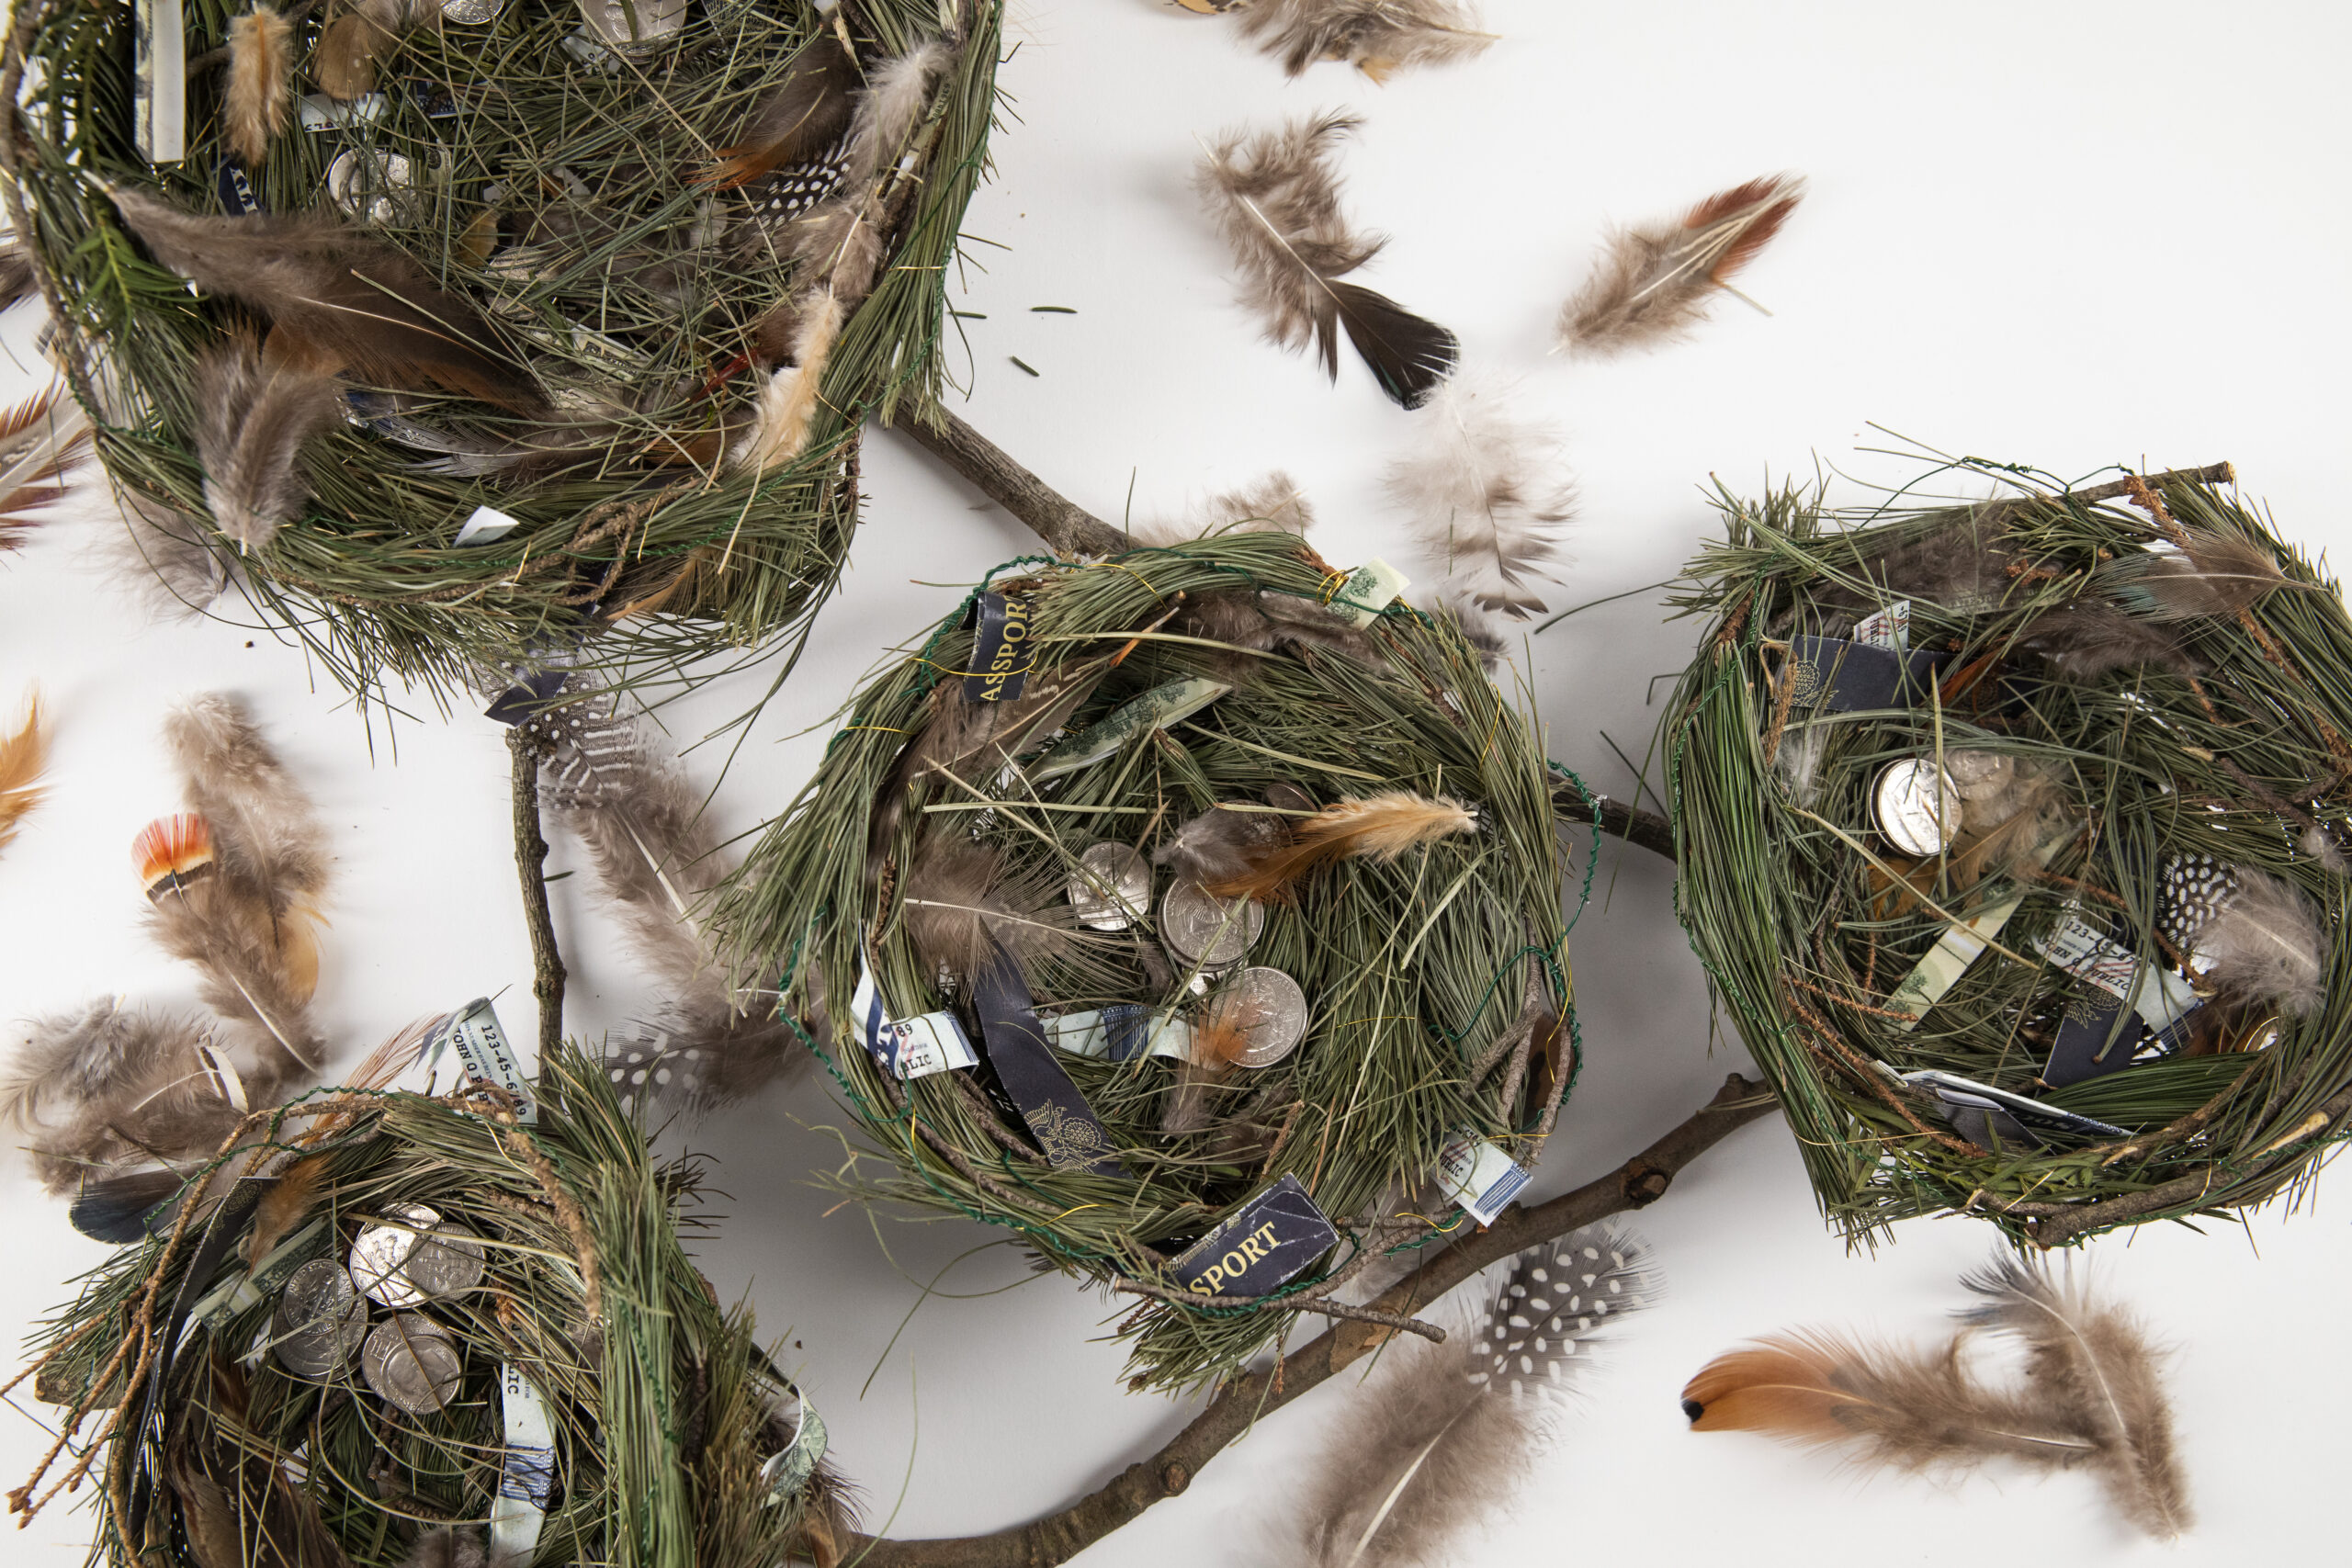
663, 1410
2149, 686
1435, 985
564, 195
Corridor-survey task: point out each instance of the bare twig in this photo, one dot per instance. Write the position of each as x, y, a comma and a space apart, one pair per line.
1644, 829
1058, 1538
530, 865
1068, 527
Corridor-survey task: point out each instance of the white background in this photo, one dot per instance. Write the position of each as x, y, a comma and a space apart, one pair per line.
2073, 235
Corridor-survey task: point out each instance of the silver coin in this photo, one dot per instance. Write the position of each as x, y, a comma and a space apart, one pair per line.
410, 1360
413, 1257
373, 187
1210, 931
320, 1321
1267, 1008
634, 27
1111, 888
473, 13
1917, 806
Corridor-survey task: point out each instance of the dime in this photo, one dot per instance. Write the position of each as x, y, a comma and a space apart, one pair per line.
1916, 806
372, 186
472, 13
400, 1264
1209, 931
1111, 888
320, 1321
410, 1360
1268, 1010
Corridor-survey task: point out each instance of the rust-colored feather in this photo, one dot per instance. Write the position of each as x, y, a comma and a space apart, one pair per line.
801, 116
283, 1206
172, 852
1753, 213
41, 439
1380, 826
1656, 281
260, 65
22, 757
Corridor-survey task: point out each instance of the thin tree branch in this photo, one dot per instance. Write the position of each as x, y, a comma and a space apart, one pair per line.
1058, 1538
530, 866
1644, 829
1068, 527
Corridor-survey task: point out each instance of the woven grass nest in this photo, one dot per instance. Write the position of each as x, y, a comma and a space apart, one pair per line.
2125, 713
943, 835
662, 1434
619, 293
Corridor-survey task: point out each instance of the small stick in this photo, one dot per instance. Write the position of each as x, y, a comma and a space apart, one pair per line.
1068, 527
530, 865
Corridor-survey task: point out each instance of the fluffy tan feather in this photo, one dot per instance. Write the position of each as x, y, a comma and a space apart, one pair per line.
1376, 36
788, 404
1657, 281
260, 65
1379, 828
23, 757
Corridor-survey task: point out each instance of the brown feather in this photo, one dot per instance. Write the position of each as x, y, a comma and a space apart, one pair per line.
336, 298
1376, 36
1262, 623
1657, 281
961, 906
260, 65
23, 757
352, 44
801, 116
2217, 575
42, 439
1380, 828
109, 1088
283, 1206
2092, 1367
2089, 637
17, 278
253, 420
1276, 198
1220, 843
1900, 1408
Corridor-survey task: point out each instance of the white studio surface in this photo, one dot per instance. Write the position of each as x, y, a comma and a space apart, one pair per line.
2071, 235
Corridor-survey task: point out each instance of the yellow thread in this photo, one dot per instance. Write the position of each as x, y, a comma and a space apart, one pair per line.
1065, 1213
1138, 577
878, 728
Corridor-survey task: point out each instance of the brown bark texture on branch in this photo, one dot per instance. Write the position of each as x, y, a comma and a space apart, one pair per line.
1645, 830
1058, 1538
1068, 527
531, 867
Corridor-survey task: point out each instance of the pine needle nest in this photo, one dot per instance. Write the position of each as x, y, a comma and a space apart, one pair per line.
669, 1436
637, 299
2140, 700
1432, 967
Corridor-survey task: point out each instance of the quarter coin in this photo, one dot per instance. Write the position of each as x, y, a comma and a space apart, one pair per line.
413, 1257
319, 1322
1111, 888
1212, 932
1268, 1010
1917, 806
410, 1360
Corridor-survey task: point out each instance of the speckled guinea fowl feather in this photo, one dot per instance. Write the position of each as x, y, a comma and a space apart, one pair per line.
1441, 1436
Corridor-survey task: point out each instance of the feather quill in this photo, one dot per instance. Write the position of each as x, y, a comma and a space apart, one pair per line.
23, 757
1481, 488
1376, 36
17, 278
1657, 281
2090, 1365
787, 405
2217, 574
1379, 828
805, 112
1276, 198
41, 440
252, 420
2265, 945
260, 66
338, 299
1441, 1438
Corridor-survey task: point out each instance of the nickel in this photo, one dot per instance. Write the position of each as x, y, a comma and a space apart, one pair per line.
320, 1321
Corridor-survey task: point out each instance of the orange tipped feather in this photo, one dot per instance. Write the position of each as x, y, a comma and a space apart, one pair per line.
1780, 1386
1381, 827
1752, 213
22, 757
171, 852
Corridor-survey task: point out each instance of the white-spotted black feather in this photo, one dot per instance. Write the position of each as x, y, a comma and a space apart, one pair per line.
1441, 1436
1276, 198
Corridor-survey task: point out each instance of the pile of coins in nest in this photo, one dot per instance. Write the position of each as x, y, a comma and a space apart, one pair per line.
1205, 936
405, 1260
